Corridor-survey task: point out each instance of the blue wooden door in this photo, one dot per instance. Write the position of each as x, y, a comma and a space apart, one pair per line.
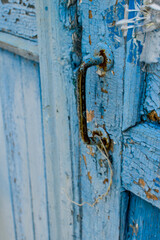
47, 172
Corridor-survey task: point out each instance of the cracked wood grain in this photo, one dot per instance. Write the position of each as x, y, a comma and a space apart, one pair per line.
141, 162
18, 18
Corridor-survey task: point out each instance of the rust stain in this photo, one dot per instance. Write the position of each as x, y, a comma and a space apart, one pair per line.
85, 160
90, 151
116, 2
113, 23
104, 90
153, 116
90, 42
113, 72
134, 227
106, 60
112, 145
89, 177
150, 195
90, 14
90, 115
101, 163
156, 190
105, 181
141, 182
90, 0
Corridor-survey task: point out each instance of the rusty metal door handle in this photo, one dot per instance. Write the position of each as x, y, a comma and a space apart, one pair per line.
104, 59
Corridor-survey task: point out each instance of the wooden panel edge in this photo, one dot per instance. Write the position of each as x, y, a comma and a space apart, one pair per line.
140, 167
22, 47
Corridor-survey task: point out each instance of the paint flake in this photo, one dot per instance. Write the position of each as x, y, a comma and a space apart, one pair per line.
90, 115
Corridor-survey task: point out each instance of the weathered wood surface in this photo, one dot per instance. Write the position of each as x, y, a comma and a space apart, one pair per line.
143, 220
59, 119
104, 97
19, 46
151, 104
60, 55
23, 208
18, 17
141, 161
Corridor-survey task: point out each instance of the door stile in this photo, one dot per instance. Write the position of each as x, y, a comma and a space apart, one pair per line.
60, 120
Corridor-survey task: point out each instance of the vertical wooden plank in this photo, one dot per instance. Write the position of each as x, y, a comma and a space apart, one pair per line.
143, 220
105, 98
13, 118
31, 91
20, 95
59, 118
7, 223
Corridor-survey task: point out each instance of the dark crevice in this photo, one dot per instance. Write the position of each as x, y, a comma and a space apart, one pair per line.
126, 229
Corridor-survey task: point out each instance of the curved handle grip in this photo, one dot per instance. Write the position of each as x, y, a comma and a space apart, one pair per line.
98, 60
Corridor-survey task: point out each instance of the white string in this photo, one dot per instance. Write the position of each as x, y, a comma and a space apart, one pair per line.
105, 154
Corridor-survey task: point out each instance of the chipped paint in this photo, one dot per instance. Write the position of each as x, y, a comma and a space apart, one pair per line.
100, 163
85, 160
90, 151
89, 177
105, 181
90, 115
90, 14
153, 116
134, 227
141, 182
104, 90
90, 42
19, 18
156, 190
149, 195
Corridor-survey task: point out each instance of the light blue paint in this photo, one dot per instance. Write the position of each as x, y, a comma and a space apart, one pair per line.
42, 148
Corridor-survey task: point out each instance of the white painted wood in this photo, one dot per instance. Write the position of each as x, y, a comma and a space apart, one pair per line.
19, 46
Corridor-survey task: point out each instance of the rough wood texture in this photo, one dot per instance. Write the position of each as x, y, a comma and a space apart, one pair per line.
19, 46
65, 152
23, 202
140, 172
18, 18
59, 118
143, 220
104, 97
152, 91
